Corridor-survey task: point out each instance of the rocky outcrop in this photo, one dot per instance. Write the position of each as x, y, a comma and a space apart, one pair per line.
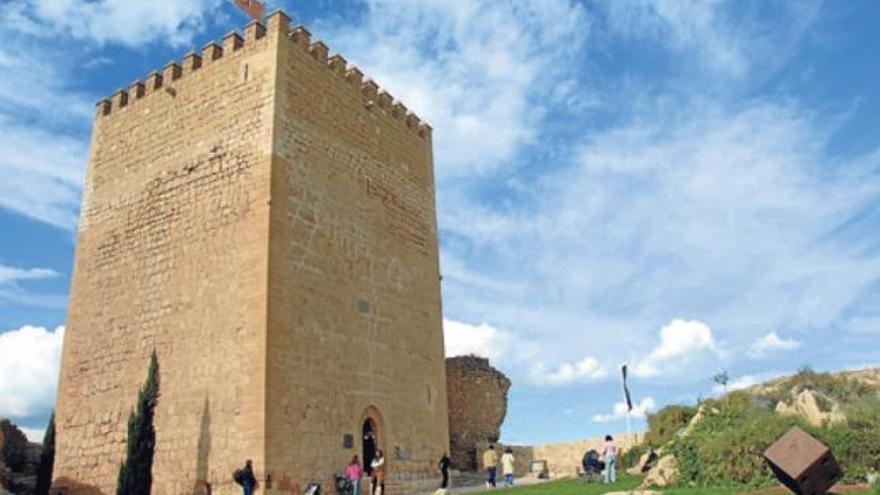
806, 405
701, 413
19, 460
663, 474
477, 395
646, 461
867, 376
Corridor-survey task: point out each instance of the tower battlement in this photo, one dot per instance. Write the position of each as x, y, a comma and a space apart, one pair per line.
375, 99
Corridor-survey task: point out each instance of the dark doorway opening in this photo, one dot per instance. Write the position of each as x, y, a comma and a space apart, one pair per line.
370, 444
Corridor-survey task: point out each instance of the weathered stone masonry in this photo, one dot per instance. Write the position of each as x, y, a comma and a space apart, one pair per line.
477, 407
264, 218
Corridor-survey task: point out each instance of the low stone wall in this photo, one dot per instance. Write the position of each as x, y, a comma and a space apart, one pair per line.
563, 459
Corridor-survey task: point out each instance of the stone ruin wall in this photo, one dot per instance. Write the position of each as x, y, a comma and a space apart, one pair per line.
19, 459
477, 406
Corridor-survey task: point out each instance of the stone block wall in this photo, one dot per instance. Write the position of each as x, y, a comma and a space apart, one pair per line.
355, 326
171, 255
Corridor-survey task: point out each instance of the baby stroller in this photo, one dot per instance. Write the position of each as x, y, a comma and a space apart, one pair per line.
343, 485
592, 467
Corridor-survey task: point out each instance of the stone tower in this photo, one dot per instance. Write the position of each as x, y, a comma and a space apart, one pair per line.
477, 407
262, 217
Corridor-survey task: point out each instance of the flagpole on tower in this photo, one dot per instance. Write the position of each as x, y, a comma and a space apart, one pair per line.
627, 400
253, 8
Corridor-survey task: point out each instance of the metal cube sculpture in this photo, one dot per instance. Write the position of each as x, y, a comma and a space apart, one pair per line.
803, 464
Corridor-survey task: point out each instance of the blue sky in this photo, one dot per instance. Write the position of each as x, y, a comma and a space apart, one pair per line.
685, 185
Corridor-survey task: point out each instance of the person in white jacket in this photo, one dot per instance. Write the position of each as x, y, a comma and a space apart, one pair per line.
507, 461
378, 465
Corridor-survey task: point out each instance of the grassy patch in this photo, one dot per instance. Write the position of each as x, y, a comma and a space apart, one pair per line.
704, 491
576, 487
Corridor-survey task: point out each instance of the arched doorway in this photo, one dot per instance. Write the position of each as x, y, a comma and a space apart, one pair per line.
372, 429
370, 443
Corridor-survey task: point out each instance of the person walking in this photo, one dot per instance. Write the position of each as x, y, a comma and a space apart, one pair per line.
245, 477
378, 482
490, 462
353, 473
444, 470
609, 452
507, 461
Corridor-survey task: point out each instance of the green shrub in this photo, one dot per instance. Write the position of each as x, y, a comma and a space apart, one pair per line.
856, 443
136, 472
726, 447
47, 459
663, 425
631, 457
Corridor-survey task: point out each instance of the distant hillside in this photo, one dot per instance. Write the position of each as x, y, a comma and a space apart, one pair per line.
868, 376
721, 440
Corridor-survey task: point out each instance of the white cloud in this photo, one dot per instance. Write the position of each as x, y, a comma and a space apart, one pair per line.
681, 341
587, 369
42, 173
44, 123
481, 340
122, 21
9, 274
477, 70
11, 288
732, 215
712, 34
33, 434
772, 343
44, 119
683, 25
640, 411
30, 358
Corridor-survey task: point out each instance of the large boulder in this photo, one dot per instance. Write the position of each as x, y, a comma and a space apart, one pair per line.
477, 397
663, 474
806, 405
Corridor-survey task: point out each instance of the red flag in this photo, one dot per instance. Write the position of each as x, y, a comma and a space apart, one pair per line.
253, 8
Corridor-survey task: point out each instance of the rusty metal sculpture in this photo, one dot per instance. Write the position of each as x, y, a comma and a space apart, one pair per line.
803, 464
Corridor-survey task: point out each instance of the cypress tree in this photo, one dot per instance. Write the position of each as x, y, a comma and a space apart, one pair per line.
135, 473
47, 460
